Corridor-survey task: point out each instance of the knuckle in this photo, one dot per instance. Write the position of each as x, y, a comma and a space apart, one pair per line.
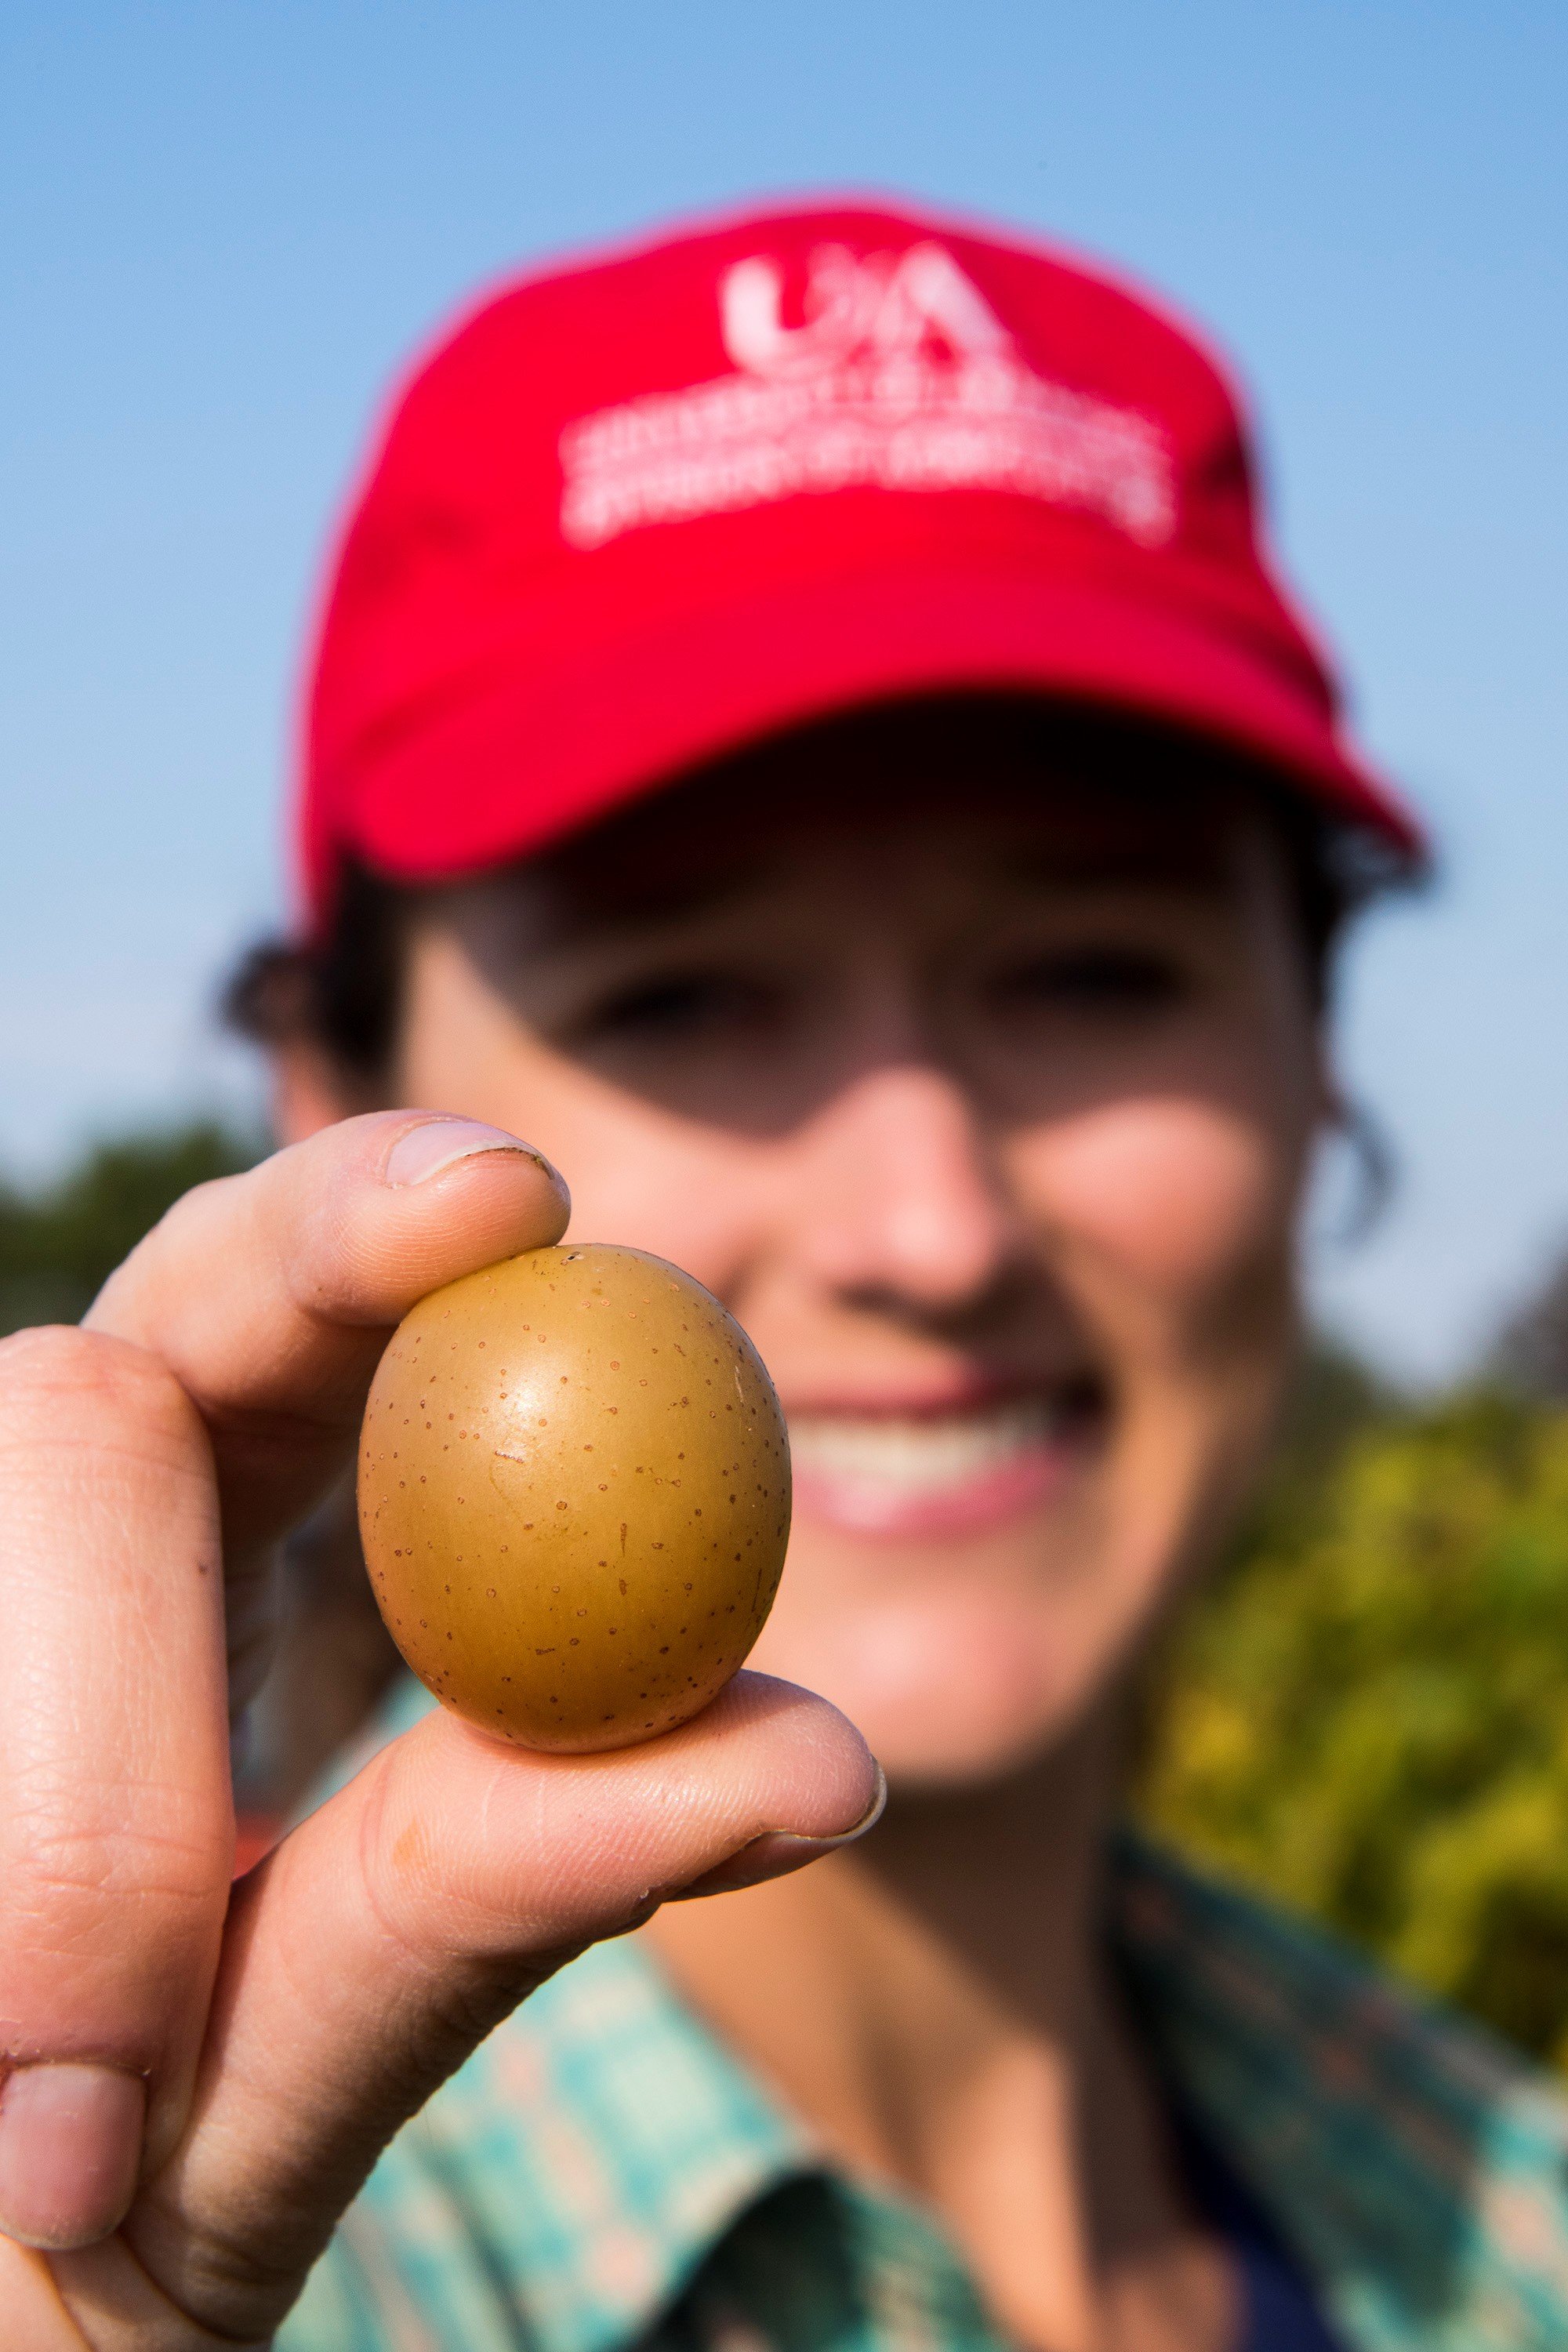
52, 1355
159, 1854
74, 1365
151, 1288
219, 2272
186, 1223
461, 1918
61, 1923
194, 1225
424, 1901
69, 1846
61, 1380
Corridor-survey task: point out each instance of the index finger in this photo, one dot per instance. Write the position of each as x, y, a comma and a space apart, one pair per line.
241, 1337
270, 1295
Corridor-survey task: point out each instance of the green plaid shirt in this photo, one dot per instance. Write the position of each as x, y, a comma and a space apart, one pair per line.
602, 2174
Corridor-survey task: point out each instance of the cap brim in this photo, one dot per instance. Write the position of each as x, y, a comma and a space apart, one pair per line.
525, 759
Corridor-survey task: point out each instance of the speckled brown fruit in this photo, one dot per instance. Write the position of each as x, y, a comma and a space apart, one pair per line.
573, 1495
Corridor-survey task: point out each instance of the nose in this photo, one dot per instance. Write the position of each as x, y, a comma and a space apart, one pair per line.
902, 1195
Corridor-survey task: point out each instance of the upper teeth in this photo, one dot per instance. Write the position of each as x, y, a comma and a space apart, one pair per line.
928, 1453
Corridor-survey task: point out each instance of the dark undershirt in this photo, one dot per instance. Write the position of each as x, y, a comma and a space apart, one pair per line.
1278, 2312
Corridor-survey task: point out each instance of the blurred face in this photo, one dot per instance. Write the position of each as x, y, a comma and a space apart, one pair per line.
983, 1103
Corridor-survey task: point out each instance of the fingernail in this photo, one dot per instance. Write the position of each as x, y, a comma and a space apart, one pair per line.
71, 2145
423, 1151
777, 1851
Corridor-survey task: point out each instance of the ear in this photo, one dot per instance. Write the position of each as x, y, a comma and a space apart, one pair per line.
309, 1091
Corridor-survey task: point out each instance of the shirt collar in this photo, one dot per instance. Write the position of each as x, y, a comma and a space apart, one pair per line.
602, 2142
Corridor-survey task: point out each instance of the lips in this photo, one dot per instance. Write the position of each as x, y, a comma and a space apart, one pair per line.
936, 1472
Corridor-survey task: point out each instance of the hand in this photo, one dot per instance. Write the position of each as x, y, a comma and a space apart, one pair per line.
197, 2082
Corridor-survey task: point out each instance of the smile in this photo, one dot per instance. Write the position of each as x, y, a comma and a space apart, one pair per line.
937, 1473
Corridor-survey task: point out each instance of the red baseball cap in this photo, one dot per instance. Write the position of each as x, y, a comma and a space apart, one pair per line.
637, 512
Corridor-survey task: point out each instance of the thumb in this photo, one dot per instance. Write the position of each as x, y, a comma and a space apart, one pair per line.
370, 1953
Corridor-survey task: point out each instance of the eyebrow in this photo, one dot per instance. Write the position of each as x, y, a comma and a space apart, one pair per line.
620, 896
651, 901
1170, 864
622, 900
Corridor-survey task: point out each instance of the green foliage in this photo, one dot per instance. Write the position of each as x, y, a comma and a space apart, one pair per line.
59, 1245
1367, 1714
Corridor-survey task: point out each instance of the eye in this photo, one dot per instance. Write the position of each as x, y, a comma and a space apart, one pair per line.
679, 1008
1109, 980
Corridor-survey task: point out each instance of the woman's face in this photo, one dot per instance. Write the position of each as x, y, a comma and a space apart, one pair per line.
985, 1107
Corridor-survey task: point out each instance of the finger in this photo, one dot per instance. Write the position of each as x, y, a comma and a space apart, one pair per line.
116, 1833
270, 1295
371, 1951
264, 1302
36, 2310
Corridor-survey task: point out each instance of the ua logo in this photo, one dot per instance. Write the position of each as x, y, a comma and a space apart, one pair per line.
895, 374
878, 304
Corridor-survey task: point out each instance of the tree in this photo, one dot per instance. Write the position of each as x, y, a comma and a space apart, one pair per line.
1368, 1715
59, 1244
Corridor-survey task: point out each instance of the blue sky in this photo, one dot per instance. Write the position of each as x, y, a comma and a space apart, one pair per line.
227, 222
